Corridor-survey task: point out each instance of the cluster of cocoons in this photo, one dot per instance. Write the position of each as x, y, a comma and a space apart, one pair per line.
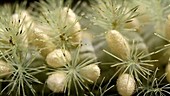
120, 47
43, 37
60, 57
57, 81
55, 57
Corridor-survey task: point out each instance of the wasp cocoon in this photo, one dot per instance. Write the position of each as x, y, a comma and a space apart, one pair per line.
58, 58
117, 44
90, 72
125, 85
24, 22
134, 24
25, 18
56, 82
76, 38
75, 30
5, 69
71, 18
42, 42
144, 18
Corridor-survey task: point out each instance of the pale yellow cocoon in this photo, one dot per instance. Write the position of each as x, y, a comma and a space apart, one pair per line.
70, 14
23, 15
58, 58
125, 85
145, 17
117, 44
5, 69
134, 24
71, 19
56, 82
25, 20
90, 72
42, 42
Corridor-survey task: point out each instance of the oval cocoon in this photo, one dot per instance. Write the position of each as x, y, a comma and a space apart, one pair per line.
125, 85
58, 58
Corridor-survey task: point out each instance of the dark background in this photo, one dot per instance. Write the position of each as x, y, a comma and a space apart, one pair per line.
31, 1
13, 1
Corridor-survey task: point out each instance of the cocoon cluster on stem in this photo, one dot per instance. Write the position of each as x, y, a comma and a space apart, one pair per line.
5, 69
56, 82
90, 72
117, 44
58, 58
125, 85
